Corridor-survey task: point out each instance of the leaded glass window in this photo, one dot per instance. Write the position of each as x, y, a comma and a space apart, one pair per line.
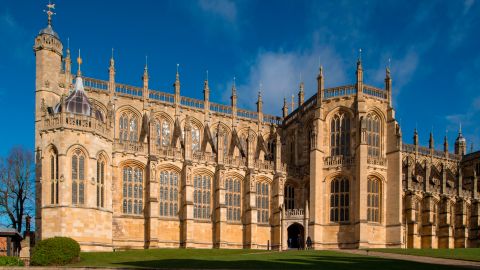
162, 133
195, 139
289, 197
232, 199
78, 177
340, 135
373, 135
373, 200
53, 177
339, 200
100, 183
132, 190
128, 128
201, 197
263, 202
169, 186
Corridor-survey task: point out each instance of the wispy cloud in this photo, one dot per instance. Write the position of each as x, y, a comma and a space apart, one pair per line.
19, 41
225, 9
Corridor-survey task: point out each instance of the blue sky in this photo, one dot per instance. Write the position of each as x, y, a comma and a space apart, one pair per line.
433, 46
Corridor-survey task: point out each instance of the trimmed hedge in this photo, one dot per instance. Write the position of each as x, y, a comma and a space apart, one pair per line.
55, 251
10, 261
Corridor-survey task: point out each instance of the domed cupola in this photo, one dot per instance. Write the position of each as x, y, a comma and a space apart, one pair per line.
77, 101
49, 31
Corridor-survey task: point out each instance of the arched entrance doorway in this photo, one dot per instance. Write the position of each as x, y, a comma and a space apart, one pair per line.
296, 236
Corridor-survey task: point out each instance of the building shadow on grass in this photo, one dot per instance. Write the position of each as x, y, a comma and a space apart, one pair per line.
302, 262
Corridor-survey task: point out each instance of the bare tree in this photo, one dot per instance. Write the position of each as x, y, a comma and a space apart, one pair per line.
17, 186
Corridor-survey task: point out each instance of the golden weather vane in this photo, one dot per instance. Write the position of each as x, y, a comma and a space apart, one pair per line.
49, 11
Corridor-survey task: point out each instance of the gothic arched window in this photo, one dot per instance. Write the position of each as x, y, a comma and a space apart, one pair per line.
162, 133
339, 200
132, 190
78, 177
289, 197
53, 177
100, 183
195, 139
223, 140
263, 202
128, 127
373, 135
201, 196
418, 215
340, 135
233, 199
169, 186
373, 200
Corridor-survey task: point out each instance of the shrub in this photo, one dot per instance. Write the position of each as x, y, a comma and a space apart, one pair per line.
55, 251
10, 261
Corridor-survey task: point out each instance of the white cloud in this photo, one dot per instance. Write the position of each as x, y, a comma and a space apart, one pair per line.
279, 73
224, 9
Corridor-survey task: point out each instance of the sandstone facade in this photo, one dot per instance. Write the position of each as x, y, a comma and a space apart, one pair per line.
122, 167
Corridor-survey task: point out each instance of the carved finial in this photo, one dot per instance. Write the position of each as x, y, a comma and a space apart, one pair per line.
360, 55
68, 46
49, 11
177, 77
146, 62
387, 70
79, 62
207, 75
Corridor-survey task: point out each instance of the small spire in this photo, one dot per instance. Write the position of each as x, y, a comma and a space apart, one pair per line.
321, 71
293, 102
387, 69
359, 60
460, 129
79, 62
431, 141
206, 75
260, 91
234, 87
146, 62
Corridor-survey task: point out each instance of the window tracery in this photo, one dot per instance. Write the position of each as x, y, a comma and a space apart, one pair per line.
53, 177
169, 186
263, 202
201, 197
78, 177
128, 127
289, 197
195, 138
132, 190
232, 199
340, 135
373, 135
339, 200
100, 183
373, 200
162, 133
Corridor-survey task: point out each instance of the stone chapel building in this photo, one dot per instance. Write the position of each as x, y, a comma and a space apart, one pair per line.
119, 166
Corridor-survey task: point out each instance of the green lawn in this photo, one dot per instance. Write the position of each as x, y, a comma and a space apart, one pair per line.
243, 259
470, 254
